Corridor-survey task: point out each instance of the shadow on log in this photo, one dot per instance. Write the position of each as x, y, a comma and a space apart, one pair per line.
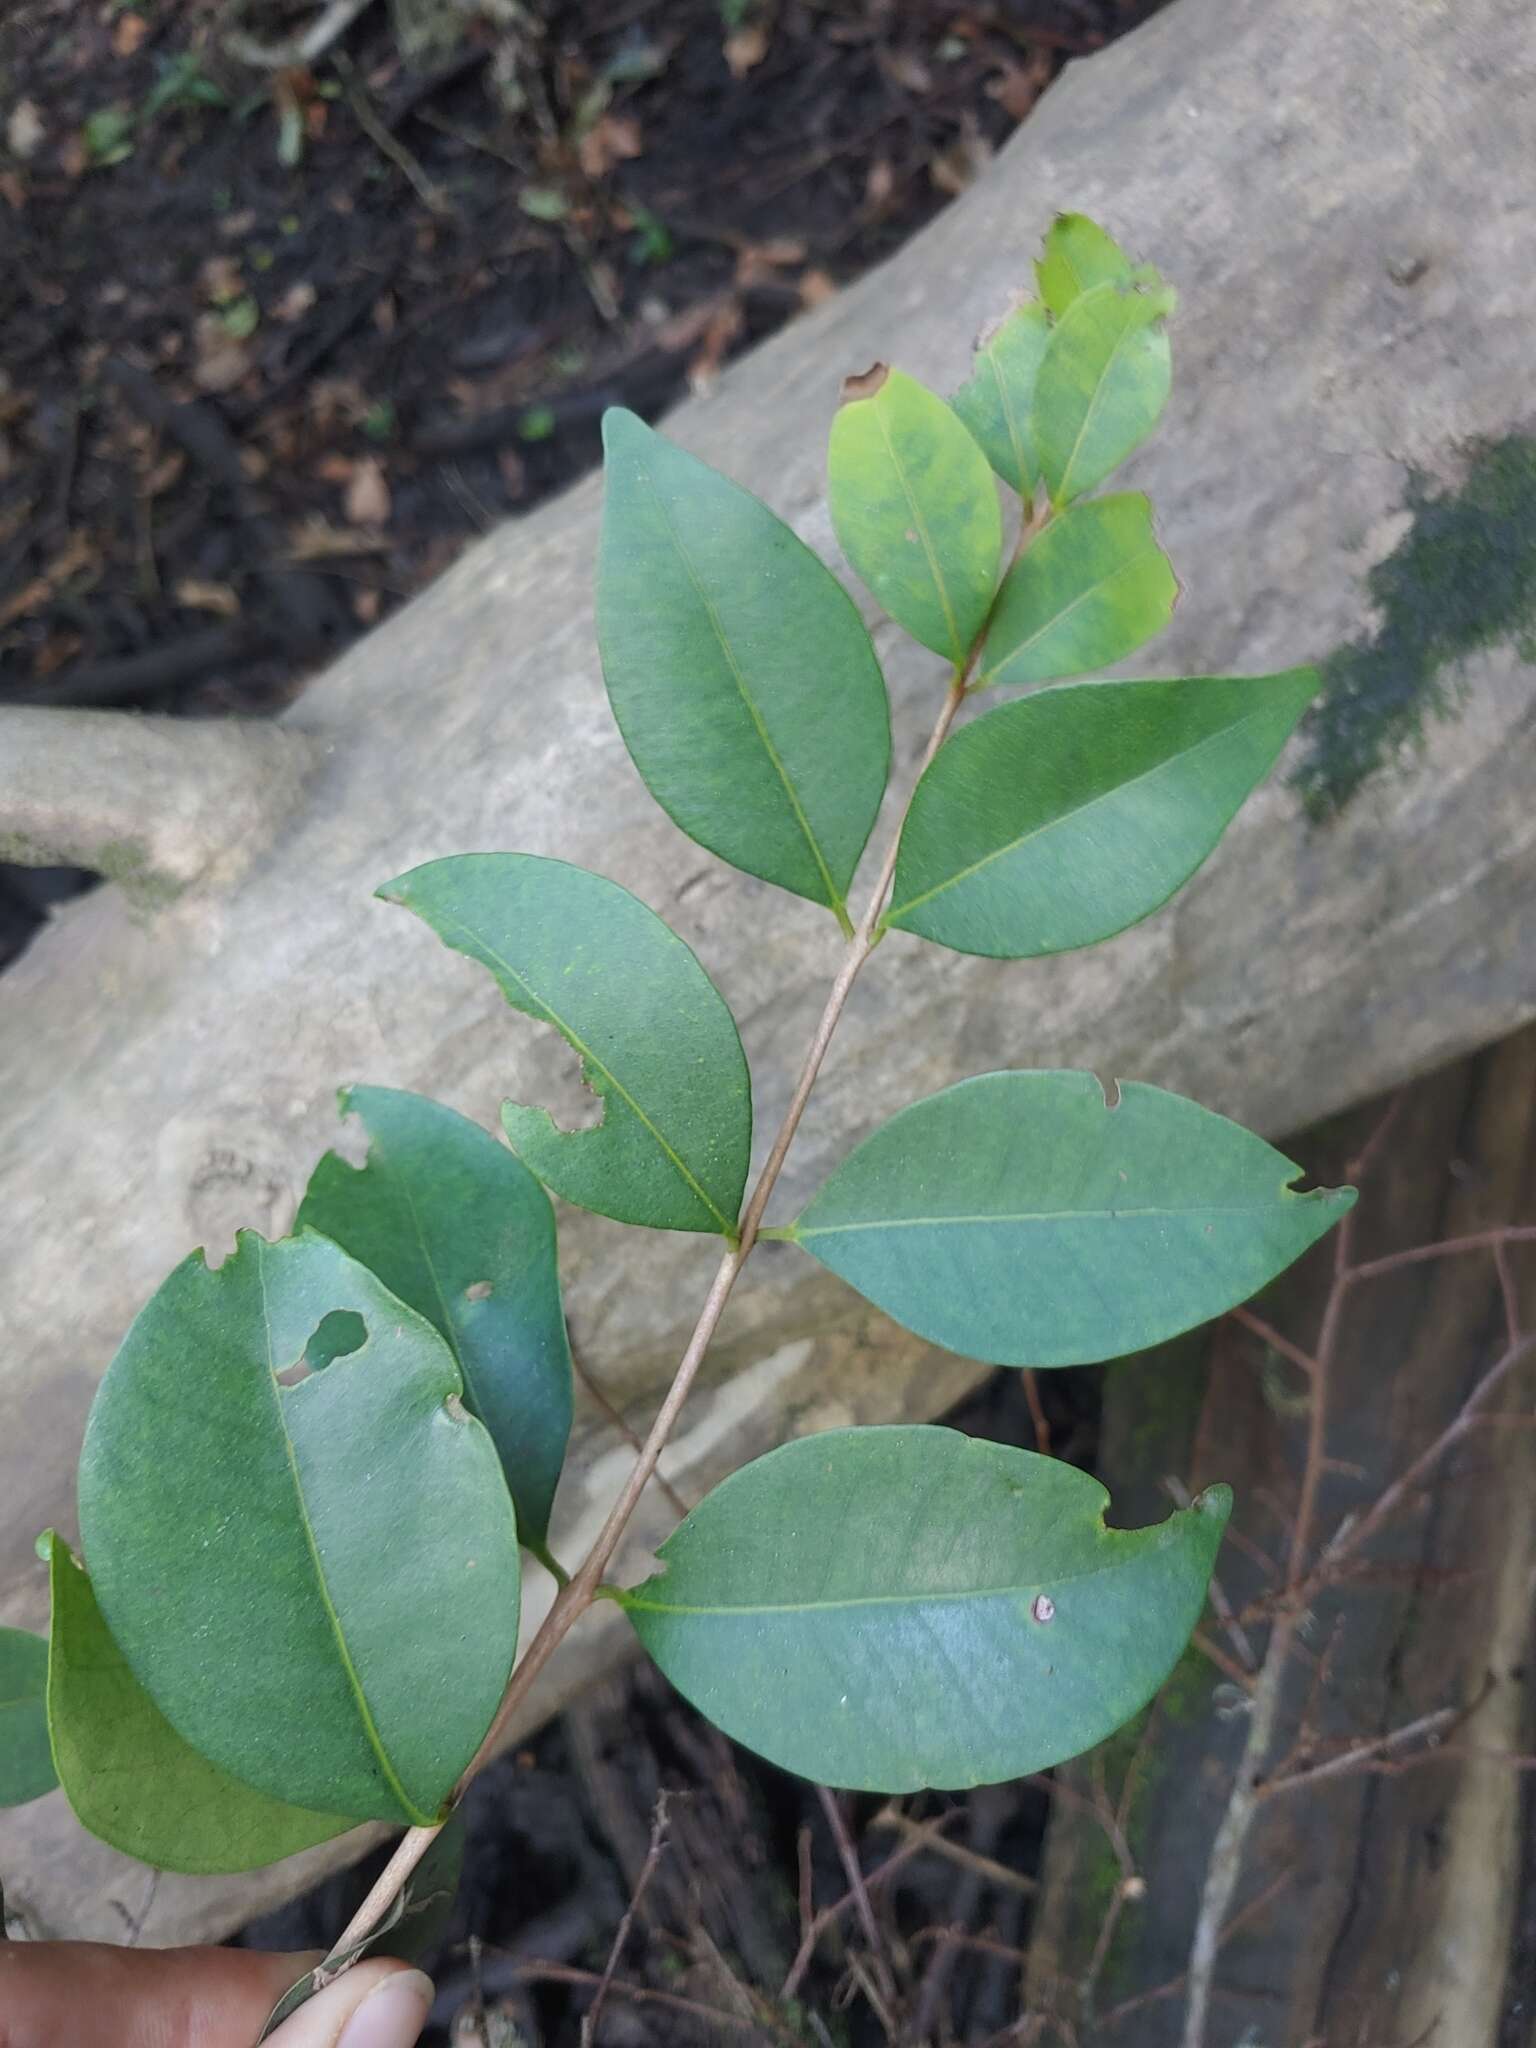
1356, 310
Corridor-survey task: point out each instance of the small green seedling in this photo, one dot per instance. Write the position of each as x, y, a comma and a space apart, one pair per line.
309, 1475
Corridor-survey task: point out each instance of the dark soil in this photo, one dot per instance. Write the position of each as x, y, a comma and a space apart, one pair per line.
277, 345
558, 1834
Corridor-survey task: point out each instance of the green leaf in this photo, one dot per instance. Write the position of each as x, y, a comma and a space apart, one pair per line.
126, 1772
26, 1764
1059, 820
915, 509
1090, 588
413, 1930
461, 1231
888, 1609
656, 1040
739, 670
1103, 382
997, 399
1018, 1218
336, 1553
1077, 256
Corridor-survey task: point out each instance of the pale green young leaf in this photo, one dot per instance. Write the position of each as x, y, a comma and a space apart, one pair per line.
739, 670
130, 1777
1058, 821
1103, 383
1090, 588
889, 1609
26, 1766
338, 1551
1018, 1218
997, 400
915, 509
1077, 255
656, 1040
463, 1233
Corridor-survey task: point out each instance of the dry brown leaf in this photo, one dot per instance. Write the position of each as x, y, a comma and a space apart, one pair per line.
76, 554
129, 33
615, 138
879, 184
221, 279
953, 169
296, 301
334, 469
55, 651
367, 497
235, 226
1017, 86
816, 287
220, 361
73, 159
723, 328
365, 606
12, 191
316, 539
166, 472
514, 471
385, 313
907, 70
745, 50
196, 596
24, 130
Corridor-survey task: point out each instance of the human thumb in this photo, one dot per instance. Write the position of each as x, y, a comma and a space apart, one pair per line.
374, 2005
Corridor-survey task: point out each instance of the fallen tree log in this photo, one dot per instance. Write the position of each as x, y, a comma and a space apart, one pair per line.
1340, 477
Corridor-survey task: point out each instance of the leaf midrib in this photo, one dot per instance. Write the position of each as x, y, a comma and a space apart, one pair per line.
583, 1051
920, 527
999, 674
835, 898
633, 1601
354, 1681
801, 1233
1128, 329
1166, 765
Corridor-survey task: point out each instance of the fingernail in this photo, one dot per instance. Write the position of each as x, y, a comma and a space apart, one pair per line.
391, 2017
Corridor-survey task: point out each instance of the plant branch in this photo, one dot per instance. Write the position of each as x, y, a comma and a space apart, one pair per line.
572, 1601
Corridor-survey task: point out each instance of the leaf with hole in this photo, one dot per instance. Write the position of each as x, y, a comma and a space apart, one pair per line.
1103, 383
130, 1777
414, 1929
1090, 588
338, 1548
462, 1232
26, 1764
1077, 255
1062, 819
997, 399
915, 509
889, 1609
738, 668
656, 1040
1018, 1218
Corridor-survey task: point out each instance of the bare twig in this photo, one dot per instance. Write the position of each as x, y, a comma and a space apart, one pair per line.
830, 1915
653, 1856
565, 1973
385, 143
1363, 1755
1037, 1418
614, 1416
300, 51
954, 1852
1451, 1248
853, 1870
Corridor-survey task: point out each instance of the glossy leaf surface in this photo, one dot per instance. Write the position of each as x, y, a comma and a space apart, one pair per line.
888, 1609
1017, 1218
1090, 588
338, 1550
129, 1776
916, 510
656, 1040
413, 1930
1078, 255
1103, 383
26, 1765
997, 400
1059, 820
739, 670
462, 1232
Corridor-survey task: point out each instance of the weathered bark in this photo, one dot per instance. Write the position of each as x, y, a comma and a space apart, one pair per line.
1314, 176
1404, 1908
